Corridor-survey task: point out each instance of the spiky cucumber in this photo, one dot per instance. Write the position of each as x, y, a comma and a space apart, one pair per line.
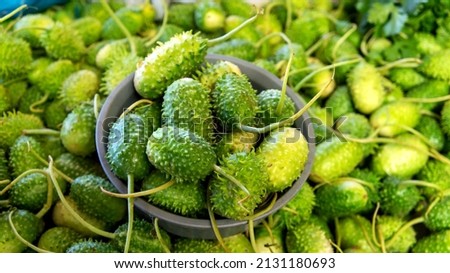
13, 124
58, 239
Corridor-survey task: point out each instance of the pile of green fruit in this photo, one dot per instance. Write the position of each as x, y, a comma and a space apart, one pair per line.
377, 72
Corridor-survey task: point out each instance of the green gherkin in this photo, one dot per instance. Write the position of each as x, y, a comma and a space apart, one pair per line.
340, 102
118, 69
37, 69
16, 90
63, 42
87, 194
429, 89
311, 24
285, 153
151, 115
182, 15
31, 26
143, 239
211, 73
398, 199
234, 101
31, 102
180, 57
5, 101
387, 226
187, 245
92, 246
435, 172
248, 33
266, 65
309, 236
180, 153
354, 124
12, 125
430, 128
54, 76
78, 130
79, 87
268, 101
74, 166
27, 225
15, 57
89, 28
356, 233
186, 105
438, 217
187, 199
269, 240
168, 32
235, 142
209, 16
238, 48
299, 61
238, 7
54, 114
131, 18
436, 65
59, 239
406, 77
126, 148
21, 158
228, 199
438, 242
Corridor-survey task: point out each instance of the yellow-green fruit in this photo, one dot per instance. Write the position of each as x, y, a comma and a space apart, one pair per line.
90, 29
63, 42
79, 87
54, 76
15, 57
437, 66
31, 26
12, 125
394, 118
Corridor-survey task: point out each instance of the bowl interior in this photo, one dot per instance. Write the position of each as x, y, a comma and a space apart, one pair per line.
125, 94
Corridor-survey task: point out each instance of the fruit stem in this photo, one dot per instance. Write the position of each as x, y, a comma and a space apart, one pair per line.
74, 214
422, 184
235, 30
342, 40
364, 42
48, 204
402, 229
160, 238
130, 204
289, 14
382, 240
4, 182
37, 103
316, 45
356, 180
269, 230
427, 100
432, 205
120, 25
264, 211
17, 179
337, 232
231, 178
134, 105
405, 62
374, 220
162, 27
45, 162
140, 193
12, 13
4, 203
21, 239
366, 236
214, 226
251, 230
271, 5
96, 106
45, 131
285, 78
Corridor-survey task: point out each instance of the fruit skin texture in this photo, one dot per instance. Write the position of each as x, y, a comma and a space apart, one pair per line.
211, 73
182, 15
353, 231
397, 199
63, 42
209, 16
438, 242
27, 225
15, 57
31, 26
237, 141
284, 152
92, 246
54, 76
79, 87
335, 158
78, 130
438, 218
180, 57
437, 65
388, 226
132, 19
180, 153
308, 237
239, 48
268, 103
435, 172
12, 125
227, 198
58, 239
21, 159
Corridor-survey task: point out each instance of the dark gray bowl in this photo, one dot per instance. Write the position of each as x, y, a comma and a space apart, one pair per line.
124, 95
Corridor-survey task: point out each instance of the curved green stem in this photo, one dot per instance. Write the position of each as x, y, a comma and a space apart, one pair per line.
130, 203
381, 240
213, 221
22, 175
374, 221
265, 210
45, 162
160, 238
407, 225
293, 211
366, 236
162, 27
289, 14
45, 131
37, 103
251, 230
342, 40
12, 13
364, 42
421, 184
134, 105
409, 62
48, 204
317, 44
140, 193
96, 106
427, 100
436, 200
356, 180
231, 178
235, 30
337, 232
4, 203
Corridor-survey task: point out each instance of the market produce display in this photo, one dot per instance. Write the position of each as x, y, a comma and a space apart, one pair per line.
374, 77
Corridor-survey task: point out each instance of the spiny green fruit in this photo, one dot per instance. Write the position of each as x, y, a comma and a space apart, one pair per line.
126, 148
58, 239
235, 142
16, 91
211, 73
92, 246
187, 199
151, 115
118, 69
340, 198
87, 194
397, 198
269, 241
78, 130
248, 33
94, 49
180, 57
238, 243
335, 158
406, 77
355, 232
234, 101
209, 16
308, 237
427, 43
169, 31
320, 80
37, 69
15, 57
54, 114
180, 153
284, 152
31, 26
31, 102
435, 172
340, 102
143, 238
186, 105
96, 9
5, 101
429, 89
74, 166
438, 217
63, 218
438, 242
79, 87
268, 101
312, 24
13, 123
402, 159
54, 76
20, 157
354, 125
114, 50
388, 226
228, 199
182, 15
4, 171
63, 42
430, 128
51, 144
435, 65
238, 7
299, 208
392, 118
299, 61
89, 28
27, 225
188, 245
366, 89
30, 192
238, 48
266, 65
131, 18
